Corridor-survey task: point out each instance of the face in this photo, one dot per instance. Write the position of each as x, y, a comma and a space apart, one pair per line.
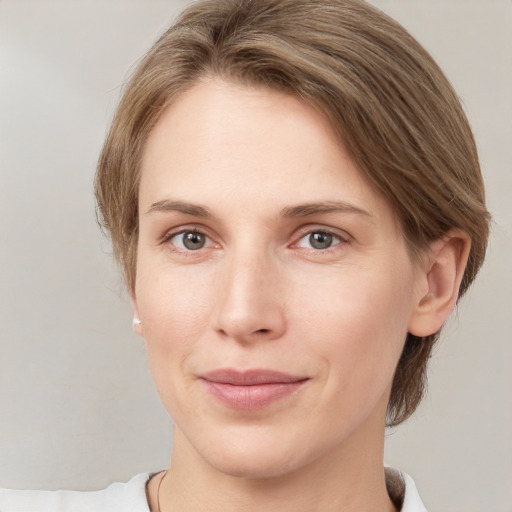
274, 287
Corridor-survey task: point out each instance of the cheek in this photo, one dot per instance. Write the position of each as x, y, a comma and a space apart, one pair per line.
357, 325
175, 308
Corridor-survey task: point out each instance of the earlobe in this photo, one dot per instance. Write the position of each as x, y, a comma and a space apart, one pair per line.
137, 323
442, 274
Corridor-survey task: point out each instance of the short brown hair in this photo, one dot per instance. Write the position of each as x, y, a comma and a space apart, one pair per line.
384, 95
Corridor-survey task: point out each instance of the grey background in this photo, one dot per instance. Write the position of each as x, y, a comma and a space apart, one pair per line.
77, 405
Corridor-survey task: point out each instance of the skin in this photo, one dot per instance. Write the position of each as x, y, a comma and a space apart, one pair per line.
257, 294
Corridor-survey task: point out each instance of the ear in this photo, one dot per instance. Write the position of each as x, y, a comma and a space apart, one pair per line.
137, 323
439, 281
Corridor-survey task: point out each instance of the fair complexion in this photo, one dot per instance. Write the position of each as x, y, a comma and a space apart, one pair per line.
275, 292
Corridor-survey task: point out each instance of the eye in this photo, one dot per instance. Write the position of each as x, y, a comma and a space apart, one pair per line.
189, 240
319, 240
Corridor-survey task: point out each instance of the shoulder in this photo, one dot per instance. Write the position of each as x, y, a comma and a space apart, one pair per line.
403, 491
129, 497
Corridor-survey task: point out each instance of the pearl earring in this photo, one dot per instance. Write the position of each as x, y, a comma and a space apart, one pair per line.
136, 322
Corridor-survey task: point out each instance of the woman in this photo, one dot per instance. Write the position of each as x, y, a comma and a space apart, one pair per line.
293, 193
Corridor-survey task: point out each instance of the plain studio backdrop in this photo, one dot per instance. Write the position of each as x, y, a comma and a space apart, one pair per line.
77, 404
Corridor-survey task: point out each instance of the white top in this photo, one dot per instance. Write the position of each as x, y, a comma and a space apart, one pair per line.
119, 497
131, 497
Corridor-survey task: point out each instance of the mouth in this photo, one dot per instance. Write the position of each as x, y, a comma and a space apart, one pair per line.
251, 389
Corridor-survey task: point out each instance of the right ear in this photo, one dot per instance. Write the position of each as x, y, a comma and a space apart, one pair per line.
137, 322
443, 274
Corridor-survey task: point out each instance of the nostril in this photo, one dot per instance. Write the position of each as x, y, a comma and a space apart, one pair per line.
262, 331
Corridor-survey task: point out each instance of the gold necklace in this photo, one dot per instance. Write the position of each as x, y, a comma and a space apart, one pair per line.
158, 492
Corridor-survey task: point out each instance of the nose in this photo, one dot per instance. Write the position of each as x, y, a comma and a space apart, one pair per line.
250, 304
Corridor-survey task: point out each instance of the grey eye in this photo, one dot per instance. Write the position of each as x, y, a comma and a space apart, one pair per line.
193, 240
189, 240
320, 240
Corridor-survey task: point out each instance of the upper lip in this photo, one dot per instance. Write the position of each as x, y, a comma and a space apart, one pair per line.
250, 377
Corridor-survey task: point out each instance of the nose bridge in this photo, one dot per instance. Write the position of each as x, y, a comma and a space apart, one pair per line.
250, 305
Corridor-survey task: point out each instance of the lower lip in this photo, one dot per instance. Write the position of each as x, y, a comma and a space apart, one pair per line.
253, 397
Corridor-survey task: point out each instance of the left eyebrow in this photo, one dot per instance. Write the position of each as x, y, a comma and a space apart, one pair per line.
307, 209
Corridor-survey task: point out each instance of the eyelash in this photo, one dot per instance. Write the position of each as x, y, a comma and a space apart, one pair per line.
171, 234
337, 239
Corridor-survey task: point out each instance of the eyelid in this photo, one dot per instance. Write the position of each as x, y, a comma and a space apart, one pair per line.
171, 233
318, 228
342, 235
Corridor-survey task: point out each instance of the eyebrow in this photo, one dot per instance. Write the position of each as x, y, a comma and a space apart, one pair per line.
179, 206
301, 210
305, 210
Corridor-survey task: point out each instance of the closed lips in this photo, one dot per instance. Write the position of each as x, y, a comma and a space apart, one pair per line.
250, 377
250, 390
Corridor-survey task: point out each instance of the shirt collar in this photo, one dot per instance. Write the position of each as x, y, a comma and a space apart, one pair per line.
402, 490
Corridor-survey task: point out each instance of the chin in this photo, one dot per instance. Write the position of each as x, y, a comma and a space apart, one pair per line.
252, 457
254, 468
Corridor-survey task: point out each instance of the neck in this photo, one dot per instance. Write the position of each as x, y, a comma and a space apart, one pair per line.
348, 480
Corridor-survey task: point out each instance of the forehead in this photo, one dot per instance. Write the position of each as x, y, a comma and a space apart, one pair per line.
222, 142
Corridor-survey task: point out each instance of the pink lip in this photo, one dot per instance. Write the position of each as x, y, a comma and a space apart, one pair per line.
252, 389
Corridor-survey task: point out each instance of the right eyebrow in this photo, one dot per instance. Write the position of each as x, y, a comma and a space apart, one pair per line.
168, 205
